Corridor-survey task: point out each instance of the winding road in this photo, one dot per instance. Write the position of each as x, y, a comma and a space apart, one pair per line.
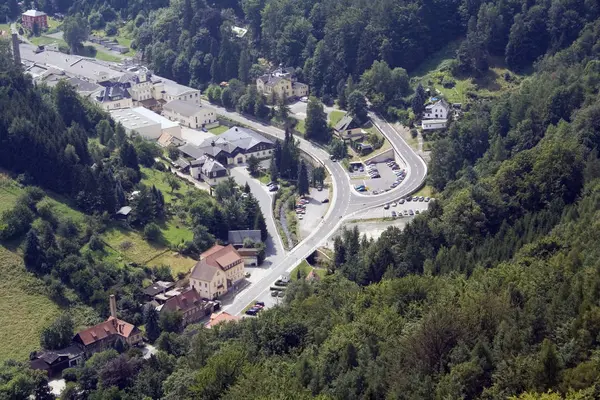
345, 202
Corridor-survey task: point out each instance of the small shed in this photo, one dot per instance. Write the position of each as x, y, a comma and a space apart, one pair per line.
123, 212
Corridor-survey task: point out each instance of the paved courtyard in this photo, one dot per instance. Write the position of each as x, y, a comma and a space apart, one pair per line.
387, 178
298, 109
194, 136
315, 210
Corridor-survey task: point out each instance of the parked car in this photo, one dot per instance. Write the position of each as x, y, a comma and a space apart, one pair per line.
417, 212
300, 217
376, 176
426, 199
409, 198
274, 293
394, 204
387, 206
252, 311
401, 201
274, 188
325, 201
411, 212
395, 184
281, 294
359, 187
304, 99
405, 212
361, 169
394, 214
319, 188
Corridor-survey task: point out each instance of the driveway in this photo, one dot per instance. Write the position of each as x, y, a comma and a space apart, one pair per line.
298, 109
274, 246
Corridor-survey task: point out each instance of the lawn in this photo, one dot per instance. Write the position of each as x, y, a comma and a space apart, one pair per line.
304, 268
218, 129
9, 191
24, 307
425, 191
335, 116
175, 261
157, 178
103, 56
45, 40
5, 27
175, 232
301, 126
131, 245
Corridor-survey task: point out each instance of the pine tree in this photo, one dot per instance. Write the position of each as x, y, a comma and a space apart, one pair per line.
120, 195
261, 224
129, 156
341, 93
273, 170
244, 66
33, 255
151, 324
303, 185
418, 100
316, 121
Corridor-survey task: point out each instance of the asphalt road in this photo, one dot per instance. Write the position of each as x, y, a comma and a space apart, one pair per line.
344, 203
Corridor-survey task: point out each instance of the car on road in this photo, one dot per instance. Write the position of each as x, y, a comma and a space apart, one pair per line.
325, 201
387, 206
394, 214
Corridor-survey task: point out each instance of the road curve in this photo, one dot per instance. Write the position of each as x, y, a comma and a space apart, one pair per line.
344, 204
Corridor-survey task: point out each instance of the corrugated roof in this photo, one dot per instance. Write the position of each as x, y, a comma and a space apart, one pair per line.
183, 107
237, 237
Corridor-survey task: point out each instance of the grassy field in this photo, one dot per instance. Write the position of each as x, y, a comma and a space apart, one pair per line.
425, 191
5, 27
175, 232
335, 117
304, 268
175, 261
24, 307
301, 126
104, 56
218, 129
45, 40
131, 245
157, 178
434, 70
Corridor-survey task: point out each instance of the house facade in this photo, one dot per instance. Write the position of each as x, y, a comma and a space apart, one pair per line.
32, 17
113, 98
209, 170
189, 114
105, 335
191, 305
219, 270
431, 124
281, 82
437, 110
348, 129
56, 361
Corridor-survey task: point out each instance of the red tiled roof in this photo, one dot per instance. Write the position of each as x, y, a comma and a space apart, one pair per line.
183, 302
216, 319
221, 257
112, 326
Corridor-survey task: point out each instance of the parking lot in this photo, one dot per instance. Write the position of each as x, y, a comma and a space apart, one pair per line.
314, 210
386, 179
402, 208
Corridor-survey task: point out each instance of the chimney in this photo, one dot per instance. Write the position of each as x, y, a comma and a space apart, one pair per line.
15, 48
113, 306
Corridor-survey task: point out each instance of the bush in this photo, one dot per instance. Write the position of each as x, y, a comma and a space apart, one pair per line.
152, 232
414, 133
160, 166
96, 243
70, 375
448, 82
111, 29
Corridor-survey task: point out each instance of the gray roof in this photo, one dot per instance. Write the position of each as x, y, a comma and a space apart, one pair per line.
182, 162
199, 161
175, 89
270, 80
182, 107
83, 86
158, 287
212, 166
237, 237
242, 137
124, 210
34, 13
191, 150
440, 102
111, 93
347, 122
203, 271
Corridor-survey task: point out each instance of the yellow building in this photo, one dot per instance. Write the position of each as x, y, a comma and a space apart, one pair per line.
220, 268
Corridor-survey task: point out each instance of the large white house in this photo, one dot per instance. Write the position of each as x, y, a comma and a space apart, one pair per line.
114, 97
189, 114
232, 147
281, 82
435, 115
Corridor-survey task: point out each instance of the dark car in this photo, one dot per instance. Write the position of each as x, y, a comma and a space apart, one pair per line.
325, 201
251, 311
319, 188
260, 303
273, 188
409, 198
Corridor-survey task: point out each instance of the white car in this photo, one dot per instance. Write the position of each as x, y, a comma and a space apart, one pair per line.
304, 99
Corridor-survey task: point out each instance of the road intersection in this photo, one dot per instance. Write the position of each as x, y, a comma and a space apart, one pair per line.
344, 204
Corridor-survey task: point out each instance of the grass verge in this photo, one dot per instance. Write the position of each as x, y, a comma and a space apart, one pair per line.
335, 116
218, 129
304, 268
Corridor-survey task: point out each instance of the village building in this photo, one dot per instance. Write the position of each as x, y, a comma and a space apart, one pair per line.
113, 97
219, 270
34, 17
237, 238
53, 362
435, 115
234, 146
106, 334
221, 318
146, 123
348, 129
189, 114
190, 304
282, 83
